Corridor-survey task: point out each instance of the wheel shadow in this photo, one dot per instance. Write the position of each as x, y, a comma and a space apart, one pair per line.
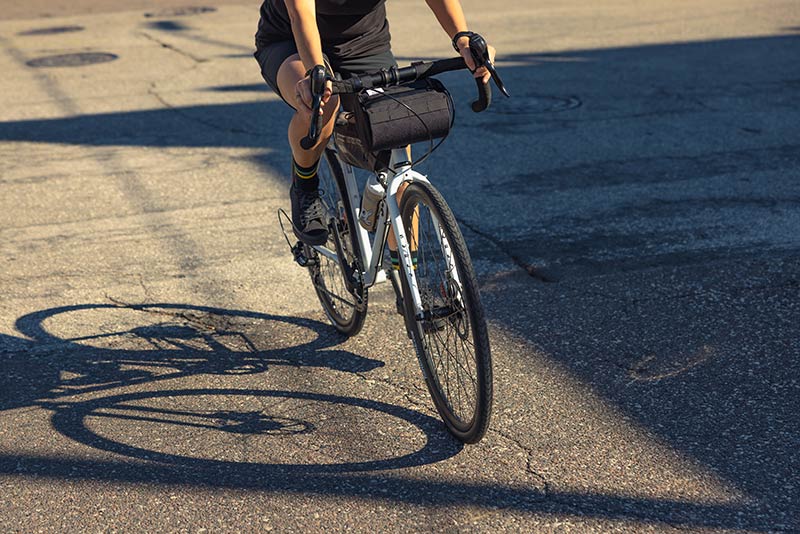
251, 438
279, 419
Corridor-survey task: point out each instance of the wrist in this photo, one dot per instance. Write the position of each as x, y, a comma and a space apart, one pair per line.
309, 71
328, 72
461, 40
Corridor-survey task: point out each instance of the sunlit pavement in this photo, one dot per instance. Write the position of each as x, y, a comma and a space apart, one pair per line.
633, 214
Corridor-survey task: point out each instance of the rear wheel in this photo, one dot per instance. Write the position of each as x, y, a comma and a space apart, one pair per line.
451, 337
336, 281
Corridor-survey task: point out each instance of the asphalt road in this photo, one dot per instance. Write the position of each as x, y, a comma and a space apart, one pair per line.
633, 213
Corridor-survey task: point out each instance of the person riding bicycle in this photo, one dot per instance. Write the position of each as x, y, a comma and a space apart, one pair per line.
349, 37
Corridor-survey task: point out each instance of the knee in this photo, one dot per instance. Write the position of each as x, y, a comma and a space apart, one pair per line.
329, 112
330, 109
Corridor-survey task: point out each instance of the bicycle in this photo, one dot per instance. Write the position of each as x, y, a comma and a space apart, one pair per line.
435, 286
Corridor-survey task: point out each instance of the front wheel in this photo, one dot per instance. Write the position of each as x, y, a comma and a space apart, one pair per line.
450, 336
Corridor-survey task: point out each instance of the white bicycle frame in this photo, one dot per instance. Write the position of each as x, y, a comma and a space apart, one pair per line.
371, 252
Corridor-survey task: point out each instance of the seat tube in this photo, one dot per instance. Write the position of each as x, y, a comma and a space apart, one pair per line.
355, 205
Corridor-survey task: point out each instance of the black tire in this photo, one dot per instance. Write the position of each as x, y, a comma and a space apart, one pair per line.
344, 302
452, 341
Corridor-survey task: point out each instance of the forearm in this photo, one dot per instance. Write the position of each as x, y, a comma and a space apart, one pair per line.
452, 20
305, 31
450, 15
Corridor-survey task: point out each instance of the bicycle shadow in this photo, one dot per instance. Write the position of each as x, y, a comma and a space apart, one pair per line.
176, 341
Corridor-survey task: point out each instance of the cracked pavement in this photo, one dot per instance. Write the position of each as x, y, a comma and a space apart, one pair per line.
632, 213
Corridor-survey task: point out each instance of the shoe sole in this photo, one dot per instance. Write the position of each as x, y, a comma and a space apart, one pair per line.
311, 241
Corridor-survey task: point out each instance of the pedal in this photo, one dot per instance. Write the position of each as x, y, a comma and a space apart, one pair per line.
298, 251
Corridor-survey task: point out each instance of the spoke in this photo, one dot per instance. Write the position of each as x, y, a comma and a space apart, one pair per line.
447, 360
330, 274
460, 382
436, 375
469, 392
465, 368
446, 371
472, 354
447, 354
444, 364
458, 368
458, 360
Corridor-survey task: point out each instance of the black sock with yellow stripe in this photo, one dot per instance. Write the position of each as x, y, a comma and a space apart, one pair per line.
395, 257
305, 177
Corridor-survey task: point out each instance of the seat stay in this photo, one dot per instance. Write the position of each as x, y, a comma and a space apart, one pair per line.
325, 251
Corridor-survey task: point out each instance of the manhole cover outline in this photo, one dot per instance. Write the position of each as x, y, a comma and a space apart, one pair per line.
53, 30
534, 104
80, 59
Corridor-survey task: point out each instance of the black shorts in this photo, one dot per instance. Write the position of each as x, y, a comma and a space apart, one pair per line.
271, 57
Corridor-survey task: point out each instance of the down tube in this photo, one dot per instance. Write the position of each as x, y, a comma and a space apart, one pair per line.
355, 206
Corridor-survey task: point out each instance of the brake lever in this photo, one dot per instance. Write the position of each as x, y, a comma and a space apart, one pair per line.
318, 79
496, 77
480, 55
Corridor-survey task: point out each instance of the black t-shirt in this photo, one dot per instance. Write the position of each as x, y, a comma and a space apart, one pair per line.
348, 28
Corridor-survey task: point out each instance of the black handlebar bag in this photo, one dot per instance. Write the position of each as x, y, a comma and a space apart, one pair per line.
376, 121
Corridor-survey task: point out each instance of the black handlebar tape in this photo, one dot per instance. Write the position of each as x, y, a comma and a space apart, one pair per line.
342, 87
404, 75
445, 65
484, 96
408, 74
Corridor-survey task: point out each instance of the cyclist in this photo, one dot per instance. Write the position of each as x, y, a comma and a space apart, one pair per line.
348, 37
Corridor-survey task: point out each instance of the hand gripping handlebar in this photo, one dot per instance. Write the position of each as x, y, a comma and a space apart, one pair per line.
480, 54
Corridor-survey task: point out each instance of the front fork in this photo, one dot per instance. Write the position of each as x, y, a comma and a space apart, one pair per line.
403, 246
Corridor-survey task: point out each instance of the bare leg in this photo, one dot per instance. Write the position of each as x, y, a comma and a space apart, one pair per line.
308, 222
291, 72
414, 221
